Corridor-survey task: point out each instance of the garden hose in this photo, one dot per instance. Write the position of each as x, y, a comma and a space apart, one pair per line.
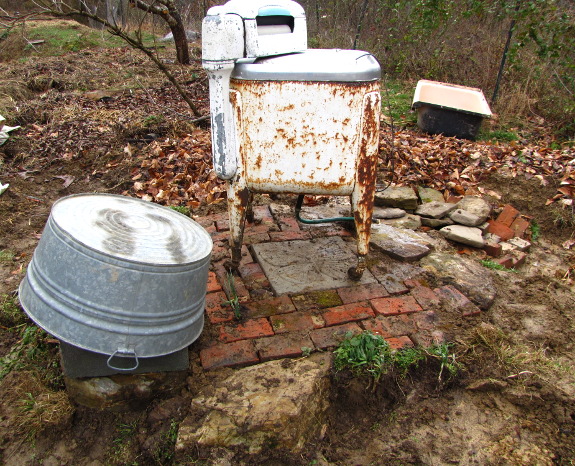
321, 220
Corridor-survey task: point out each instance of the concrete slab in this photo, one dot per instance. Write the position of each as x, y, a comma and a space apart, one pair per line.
302, 266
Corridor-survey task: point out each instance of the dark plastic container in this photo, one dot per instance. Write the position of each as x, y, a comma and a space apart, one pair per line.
449, 109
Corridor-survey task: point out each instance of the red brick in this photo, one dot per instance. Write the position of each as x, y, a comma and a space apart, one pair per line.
239, 353
316, 300
251, 268
223, 225
427, 338
391, 326
246, 256
205, 222
269, 307
213, 284
257, 281
253, 328
506, 261
425, 320
519, 259
223, 277
399, 342
288, 224
355, 294
254, 238
492, 248
262, 214
412, 283
500, 229
425, 297
295, 322
347, 313
519, 226
282, 346
289, 235
252, 228
394, 306
507, 215
332, 336
393, 285
457, 300
216, 310
220, 251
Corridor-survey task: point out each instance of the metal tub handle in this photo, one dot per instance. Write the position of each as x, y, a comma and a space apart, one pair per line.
123, 353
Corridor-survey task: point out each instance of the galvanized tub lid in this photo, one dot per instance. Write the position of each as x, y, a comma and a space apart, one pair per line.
119, 276
315, 65
131, 229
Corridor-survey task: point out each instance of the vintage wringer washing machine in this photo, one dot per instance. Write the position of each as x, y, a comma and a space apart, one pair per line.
288, 119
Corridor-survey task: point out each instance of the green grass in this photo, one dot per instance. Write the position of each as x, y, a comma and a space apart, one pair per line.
181, 209
10, 313
6, 256
396, 100
499, 135
370, 355
490, 264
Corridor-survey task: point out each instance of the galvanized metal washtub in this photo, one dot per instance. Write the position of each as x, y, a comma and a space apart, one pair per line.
119, 276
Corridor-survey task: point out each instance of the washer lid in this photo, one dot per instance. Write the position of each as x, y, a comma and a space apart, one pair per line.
131, 229
322, 65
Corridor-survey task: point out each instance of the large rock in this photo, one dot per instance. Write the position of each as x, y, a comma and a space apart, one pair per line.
280, 403
387, 212
464, 235
466, 218
429, 195
124, 392
476, 206
468, 276
408, 222
402, 197
404, 245
435, 209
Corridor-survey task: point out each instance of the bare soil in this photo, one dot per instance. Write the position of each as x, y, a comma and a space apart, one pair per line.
512, 403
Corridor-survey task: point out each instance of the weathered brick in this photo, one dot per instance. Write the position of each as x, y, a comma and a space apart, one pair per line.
500, 229
296, 322
246, 256
316, 300
519, 226
492, 248
213, 284
223, 225
329, 337
263, 215
255, 238
282, 346
269, 307
253, 228
425, 320
239, 353
205, 222
347, 313
391, 326
427, 338
505, 261
216, 310
397, 343
251, 268
257, 281
394, 306
412, 283
289, 235
425, 297
393, 285
223, 277
519, 259
507, 215
252, 328
220, 251
288, 224
355, 294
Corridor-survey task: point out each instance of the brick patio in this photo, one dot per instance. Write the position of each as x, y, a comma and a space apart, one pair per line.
274, 327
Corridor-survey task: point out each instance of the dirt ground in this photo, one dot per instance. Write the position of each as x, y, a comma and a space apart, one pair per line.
512, 403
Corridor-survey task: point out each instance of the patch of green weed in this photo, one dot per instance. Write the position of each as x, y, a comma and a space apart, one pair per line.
181, 209
500, 135
6, 255
10, 313
490, 264
234, 300
535, 230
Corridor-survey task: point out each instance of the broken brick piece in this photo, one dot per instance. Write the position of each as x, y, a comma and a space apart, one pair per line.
507, 215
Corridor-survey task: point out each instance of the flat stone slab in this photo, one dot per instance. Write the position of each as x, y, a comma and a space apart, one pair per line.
300, 266
403, 245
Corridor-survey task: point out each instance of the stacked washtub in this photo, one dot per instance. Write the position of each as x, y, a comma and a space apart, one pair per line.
120, 282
